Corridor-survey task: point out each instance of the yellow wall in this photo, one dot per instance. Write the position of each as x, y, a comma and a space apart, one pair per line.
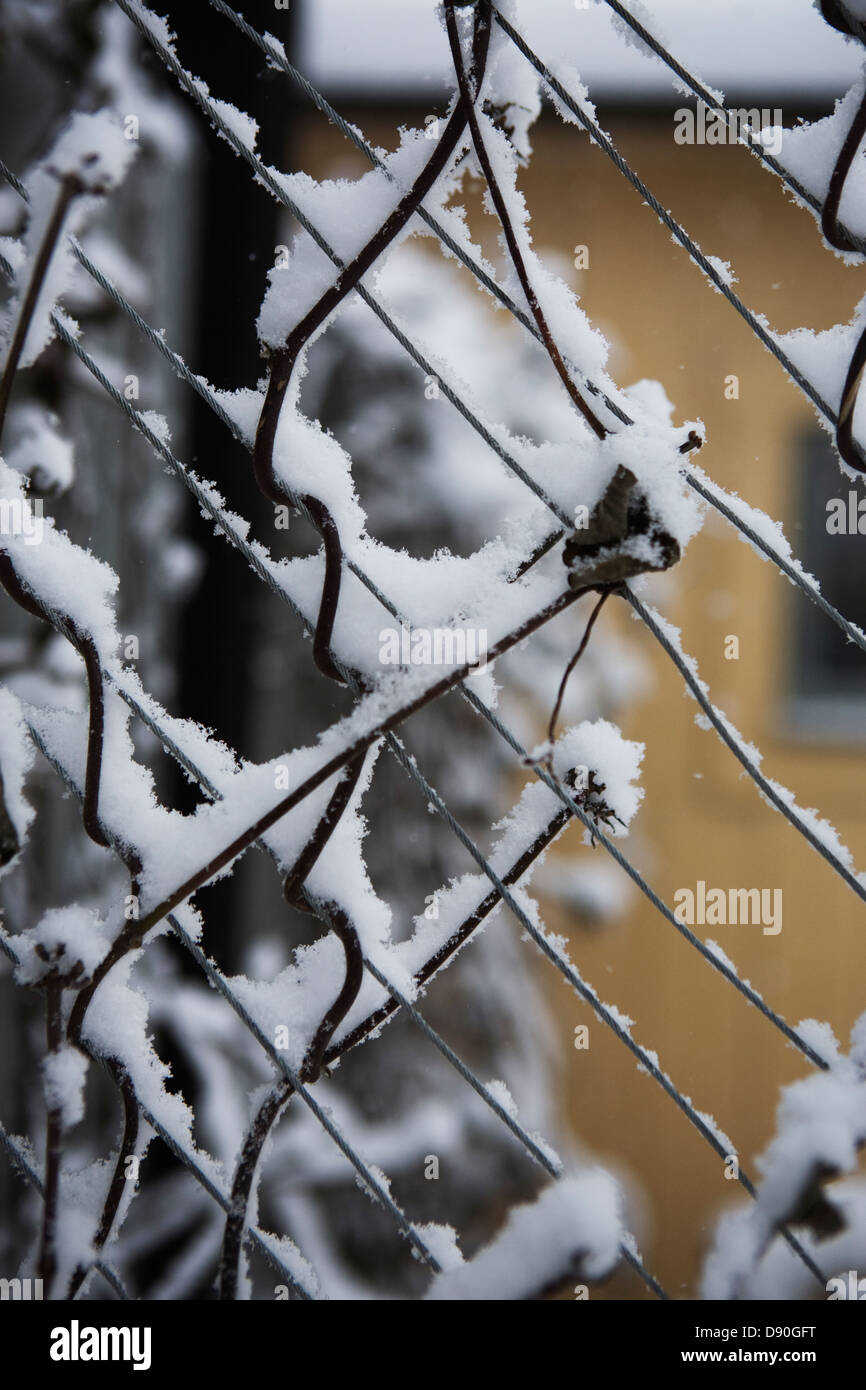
667, 323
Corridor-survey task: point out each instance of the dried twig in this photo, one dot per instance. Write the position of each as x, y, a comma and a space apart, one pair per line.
469, 98
120, 1176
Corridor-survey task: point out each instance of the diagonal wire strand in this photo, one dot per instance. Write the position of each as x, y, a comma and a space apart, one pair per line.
724, 731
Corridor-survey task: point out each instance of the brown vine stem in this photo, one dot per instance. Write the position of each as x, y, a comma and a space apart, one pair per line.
273, 1104
300, 870
257, 1134
9, 841
554, 714
70, 188
278, 1097
53, 1141
847, 445
284, 360
96, 726
90, 814
337, 919
345, 930
126, 941
504, 217
119, 1178
830, 212
129, 939
95, 737
327, 528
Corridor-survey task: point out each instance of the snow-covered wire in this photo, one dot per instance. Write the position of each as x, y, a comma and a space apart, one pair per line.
725, 731
747, 137
723, 503
503, 892
561, 963
14, 181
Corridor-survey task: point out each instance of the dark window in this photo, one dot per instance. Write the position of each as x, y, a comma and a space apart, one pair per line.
827, 673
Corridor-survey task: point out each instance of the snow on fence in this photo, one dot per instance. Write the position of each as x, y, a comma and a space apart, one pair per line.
624, 493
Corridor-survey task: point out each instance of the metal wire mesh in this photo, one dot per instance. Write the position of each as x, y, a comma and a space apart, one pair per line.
569, 805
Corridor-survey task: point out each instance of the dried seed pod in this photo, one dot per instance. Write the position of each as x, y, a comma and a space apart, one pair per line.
595, 554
